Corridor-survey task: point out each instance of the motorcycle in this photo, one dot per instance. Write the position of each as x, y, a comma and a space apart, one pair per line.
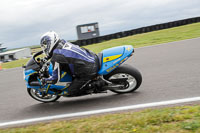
111, 76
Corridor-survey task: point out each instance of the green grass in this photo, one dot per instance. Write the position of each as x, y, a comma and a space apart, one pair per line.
140, 40
151, 38
185, 119
14, 64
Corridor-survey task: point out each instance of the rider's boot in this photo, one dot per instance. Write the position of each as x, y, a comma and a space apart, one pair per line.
76, 88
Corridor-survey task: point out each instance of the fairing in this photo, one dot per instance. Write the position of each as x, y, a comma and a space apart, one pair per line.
114, 57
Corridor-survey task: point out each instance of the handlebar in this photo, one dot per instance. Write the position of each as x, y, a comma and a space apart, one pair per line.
38, 60
37, 54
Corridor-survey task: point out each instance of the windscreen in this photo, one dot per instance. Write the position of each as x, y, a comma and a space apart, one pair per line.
32, 64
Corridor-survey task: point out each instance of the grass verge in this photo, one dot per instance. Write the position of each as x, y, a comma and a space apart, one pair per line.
14, 64
182, 119
151, 38
140, 40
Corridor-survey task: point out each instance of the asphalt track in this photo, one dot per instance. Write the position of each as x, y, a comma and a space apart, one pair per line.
170, 71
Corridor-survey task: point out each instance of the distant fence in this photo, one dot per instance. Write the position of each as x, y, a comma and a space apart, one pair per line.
137, 31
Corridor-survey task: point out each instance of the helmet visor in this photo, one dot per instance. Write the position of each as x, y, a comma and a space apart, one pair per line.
45, 44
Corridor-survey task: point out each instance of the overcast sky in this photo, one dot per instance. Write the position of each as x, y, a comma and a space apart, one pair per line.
22, 22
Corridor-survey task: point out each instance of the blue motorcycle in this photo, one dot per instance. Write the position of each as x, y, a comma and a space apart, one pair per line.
111, 76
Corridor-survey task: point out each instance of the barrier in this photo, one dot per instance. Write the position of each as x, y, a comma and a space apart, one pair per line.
137, 31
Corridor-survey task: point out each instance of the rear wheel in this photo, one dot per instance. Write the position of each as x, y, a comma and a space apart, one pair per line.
35, 94
133, 82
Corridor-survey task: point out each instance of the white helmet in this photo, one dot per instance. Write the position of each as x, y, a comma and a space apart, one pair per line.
48, 42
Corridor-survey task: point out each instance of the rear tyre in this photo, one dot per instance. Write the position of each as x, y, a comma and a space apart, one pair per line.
39, 97
133, 82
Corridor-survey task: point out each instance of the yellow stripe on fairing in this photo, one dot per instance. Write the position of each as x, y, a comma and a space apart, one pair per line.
31, 74
63, 74
110, 58
48, 88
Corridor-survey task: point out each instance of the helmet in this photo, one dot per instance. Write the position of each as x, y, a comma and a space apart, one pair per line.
48, 42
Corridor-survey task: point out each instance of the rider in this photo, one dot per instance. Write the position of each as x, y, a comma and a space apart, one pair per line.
80, 62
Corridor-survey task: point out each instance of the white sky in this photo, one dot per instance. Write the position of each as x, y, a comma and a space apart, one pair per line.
22, 22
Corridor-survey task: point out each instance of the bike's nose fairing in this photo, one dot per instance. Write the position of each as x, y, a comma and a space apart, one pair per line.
113, 57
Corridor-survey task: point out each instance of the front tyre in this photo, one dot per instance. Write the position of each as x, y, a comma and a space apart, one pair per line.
133, 82
35, 94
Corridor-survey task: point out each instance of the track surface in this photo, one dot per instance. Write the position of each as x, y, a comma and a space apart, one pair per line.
170, 71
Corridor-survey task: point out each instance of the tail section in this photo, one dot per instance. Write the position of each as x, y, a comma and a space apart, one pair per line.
113, 57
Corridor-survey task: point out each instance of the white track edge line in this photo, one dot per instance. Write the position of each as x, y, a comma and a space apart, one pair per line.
146, 105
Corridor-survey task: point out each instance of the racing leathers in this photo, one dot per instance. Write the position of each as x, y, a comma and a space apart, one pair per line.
79, 62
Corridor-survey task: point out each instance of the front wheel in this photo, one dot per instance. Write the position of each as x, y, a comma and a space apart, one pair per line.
35, 94
133, 82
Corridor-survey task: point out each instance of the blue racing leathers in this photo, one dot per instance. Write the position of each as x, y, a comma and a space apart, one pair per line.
80, 62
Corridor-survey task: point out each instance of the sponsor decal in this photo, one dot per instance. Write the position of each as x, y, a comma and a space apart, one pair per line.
116, 61
115, 66
128, 48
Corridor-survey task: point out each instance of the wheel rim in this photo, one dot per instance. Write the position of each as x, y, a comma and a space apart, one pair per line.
47, 98
132, 82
